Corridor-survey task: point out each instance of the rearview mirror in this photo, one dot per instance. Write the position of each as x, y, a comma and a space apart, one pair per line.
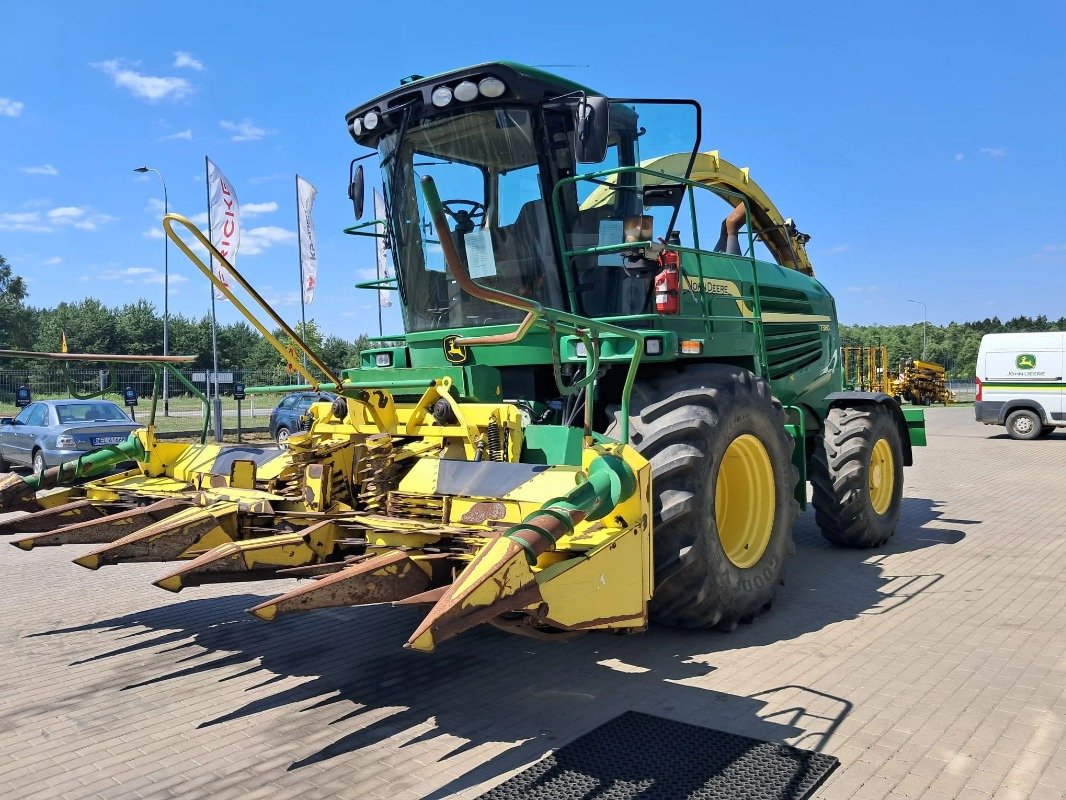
356, 190
593, 128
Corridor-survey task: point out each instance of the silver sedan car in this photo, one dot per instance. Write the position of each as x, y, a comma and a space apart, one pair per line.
49, 432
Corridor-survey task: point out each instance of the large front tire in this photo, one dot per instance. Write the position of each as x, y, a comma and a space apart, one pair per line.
723, 485
857, 475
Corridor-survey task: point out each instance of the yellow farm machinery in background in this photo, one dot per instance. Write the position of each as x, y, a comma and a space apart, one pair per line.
921, 383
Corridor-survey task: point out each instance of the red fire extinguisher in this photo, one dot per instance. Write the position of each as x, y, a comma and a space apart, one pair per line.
667, 283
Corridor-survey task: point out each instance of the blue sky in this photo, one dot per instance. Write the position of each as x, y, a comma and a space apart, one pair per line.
920, 144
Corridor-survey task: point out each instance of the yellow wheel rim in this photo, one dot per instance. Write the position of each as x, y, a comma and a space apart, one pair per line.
744, 501
882, 476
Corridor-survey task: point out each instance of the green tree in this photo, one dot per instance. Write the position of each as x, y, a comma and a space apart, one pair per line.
138, 329
15, 318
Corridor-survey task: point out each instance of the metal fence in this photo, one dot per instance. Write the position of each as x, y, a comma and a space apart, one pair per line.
51, 380
965, 391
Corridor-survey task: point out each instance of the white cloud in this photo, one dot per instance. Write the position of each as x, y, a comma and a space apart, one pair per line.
863, 289
155, 205
959, 156
43, 169
10, 108
66, 212
29, 221
255, 240
994, 152
154, 233
51, 262
135, 275
251, 209
838, 249
277, 299
147, 87
183, 59
80, 217
185, 134
244, 131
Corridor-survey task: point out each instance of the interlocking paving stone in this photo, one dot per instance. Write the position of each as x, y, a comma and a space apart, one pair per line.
945, 647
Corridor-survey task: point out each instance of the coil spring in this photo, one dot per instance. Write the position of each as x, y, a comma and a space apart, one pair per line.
495, 441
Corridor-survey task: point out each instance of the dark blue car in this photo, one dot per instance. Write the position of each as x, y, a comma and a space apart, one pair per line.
285, 418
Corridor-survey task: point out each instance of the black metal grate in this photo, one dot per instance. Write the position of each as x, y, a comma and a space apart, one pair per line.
640, 757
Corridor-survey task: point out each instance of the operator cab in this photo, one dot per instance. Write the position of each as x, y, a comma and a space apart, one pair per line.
502, 143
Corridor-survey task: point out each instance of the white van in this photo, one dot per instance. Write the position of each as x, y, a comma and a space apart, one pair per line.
1020, 383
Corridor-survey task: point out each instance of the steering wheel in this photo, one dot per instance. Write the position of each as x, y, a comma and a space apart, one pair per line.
464, 218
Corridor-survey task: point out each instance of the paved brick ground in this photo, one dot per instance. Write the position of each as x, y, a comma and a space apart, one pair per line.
934, 667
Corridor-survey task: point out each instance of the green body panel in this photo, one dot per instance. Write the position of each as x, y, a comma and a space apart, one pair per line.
915, 418
553, 444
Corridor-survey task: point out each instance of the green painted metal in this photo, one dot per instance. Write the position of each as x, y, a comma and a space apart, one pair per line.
610, 482
553, 445
798, 431
915, 418
91, 464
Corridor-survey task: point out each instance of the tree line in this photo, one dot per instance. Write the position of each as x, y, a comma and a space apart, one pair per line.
137, 328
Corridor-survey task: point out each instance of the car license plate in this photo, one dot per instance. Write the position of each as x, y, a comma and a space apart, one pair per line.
99, 441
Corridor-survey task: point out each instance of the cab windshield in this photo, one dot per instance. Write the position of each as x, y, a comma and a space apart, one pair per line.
486, 167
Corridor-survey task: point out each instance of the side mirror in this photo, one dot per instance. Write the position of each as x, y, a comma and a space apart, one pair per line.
593, 128
356, 190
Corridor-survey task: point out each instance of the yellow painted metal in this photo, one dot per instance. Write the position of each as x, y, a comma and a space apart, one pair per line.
744, 500
168, 222
710, 168
882, 476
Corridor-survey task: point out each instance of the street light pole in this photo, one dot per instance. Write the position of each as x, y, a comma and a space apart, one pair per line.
925, 323
166, 289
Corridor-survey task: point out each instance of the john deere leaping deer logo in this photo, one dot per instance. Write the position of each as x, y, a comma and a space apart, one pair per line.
455, 353
1025, 361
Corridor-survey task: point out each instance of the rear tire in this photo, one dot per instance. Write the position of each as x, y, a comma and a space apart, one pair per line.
857, 475
723, 493
1024, 425
282, 436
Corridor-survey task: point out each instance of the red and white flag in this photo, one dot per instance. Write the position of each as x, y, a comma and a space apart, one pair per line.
384, 296
224, 213
305, 198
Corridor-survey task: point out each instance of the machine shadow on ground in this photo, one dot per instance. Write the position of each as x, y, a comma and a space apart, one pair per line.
356, 668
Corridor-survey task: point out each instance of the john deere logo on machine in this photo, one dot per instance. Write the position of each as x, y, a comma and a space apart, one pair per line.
1025, 361
455, 353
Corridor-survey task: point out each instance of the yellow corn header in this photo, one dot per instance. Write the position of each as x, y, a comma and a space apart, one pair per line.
419, 501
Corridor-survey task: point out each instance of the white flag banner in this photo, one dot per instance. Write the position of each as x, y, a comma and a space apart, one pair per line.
384, 297
225, 214
305, 198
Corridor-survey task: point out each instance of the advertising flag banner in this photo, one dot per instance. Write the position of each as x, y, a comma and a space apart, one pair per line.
305, 198
63, 344
384, 297
225, 214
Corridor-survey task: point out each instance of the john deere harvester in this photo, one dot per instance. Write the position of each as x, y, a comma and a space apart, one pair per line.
618, 375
